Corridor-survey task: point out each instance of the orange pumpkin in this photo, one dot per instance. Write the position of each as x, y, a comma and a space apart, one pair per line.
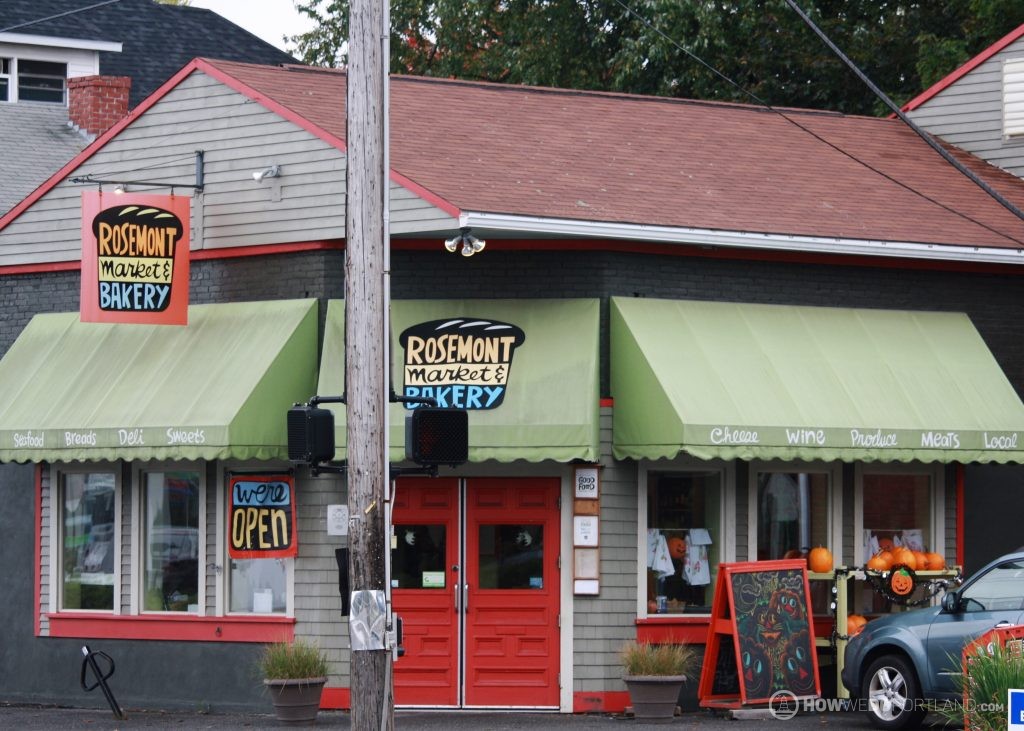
819, 560
886, 558
855, 623
906, 557
677, 547
878, 563
922, 560
902, 583
936, 562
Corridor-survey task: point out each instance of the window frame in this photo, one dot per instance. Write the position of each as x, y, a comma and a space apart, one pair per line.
56, 563
13, 77
937, 519
1012, 73
127, 622
139, 542
221, 568
726, 528
6, 75
835, 499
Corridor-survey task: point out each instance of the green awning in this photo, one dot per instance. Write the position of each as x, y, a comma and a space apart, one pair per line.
217, 388
743, 381
526, 370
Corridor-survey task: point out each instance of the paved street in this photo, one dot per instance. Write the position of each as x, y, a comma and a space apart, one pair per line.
47, 718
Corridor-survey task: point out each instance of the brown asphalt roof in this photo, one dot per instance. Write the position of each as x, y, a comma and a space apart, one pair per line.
527, 151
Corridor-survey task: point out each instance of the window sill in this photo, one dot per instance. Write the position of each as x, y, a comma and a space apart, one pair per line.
188, 628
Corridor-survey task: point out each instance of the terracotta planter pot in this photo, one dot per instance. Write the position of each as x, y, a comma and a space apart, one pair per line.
296, 701
654, 696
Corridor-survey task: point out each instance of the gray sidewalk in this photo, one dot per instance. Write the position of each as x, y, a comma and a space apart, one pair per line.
49, 718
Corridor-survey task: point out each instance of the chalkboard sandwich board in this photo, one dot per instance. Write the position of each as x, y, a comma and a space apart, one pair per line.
760, 641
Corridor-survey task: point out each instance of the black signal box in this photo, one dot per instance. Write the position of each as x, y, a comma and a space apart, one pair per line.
310, 435
435, 436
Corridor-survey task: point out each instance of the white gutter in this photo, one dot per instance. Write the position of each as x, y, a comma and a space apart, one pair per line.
557, 227
26, 39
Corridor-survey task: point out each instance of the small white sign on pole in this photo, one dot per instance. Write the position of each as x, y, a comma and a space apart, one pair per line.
337, 520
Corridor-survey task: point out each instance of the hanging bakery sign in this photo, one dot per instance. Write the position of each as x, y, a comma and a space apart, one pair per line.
135, 258
462, 363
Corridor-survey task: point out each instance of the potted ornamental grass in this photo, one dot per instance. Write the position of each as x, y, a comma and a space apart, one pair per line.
295, 674
654, 675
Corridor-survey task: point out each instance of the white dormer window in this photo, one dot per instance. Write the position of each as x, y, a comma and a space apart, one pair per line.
1013, 98
30, 80
41, 81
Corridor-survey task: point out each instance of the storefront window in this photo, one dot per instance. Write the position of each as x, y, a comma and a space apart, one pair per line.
683, 515
897, 510
792, 514
87, 502
171, 503
258, 585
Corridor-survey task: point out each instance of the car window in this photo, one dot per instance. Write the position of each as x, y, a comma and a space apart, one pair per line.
1000, 589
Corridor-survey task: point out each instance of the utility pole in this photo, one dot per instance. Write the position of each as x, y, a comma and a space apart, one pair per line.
366, 330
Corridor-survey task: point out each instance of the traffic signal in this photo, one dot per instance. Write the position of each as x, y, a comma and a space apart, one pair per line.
310, 435
436, 436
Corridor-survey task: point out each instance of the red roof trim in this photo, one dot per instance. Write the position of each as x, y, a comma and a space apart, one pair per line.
962, 71
242, 88
97, 144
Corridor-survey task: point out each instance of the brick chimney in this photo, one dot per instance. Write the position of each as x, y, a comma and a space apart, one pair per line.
97, 103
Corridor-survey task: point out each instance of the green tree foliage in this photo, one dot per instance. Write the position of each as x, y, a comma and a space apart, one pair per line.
658, 46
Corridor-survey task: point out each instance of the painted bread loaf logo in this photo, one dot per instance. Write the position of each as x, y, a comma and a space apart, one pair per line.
461, 363
136, 247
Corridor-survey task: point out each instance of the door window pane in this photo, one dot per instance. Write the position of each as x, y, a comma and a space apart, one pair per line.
683, 515
171, 524
418, 560
87, 504
511, 557
258, 585
1001, 589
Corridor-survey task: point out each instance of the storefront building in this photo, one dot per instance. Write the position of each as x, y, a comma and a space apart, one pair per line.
640, 411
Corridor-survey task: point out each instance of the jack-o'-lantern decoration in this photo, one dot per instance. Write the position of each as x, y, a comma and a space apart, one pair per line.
677, 548
901, 582
819, 560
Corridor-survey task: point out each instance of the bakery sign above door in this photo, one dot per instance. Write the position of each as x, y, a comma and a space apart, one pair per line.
461, 363
135, 252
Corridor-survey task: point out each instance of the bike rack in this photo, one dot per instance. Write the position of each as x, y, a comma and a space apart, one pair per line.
101, 678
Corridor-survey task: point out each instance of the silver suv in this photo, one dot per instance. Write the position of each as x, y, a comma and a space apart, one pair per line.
902, 660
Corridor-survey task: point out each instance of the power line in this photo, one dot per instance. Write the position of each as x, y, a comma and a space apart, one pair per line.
761, 102
903, 117
58, 15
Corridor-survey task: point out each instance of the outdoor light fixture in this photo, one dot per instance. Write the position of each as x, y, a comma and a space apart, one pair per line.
120, 188
270, 172
470, 243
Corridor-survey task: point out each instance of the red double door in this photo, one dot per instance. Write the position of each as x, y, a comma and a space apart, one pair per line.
475, 580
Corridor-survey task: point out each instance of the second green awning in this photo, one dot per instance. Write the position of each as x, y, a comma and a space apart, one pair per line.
217, 388
745, 381
526, 370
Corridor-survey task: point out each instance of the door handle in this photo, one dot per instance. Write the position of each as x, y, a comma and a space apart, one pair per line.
1003, 623
465, 597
